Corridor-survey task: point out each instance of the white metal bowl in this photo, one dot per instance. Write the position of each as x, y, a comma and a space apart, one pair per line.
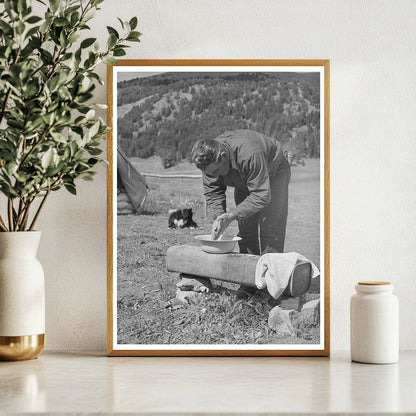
225, 244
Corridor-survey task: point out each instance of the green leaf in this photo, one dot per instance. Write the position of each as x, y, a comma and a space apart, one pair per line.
90, 14
63, 119
82, 166
67, 56
80, 120
52, 171
90, 114
61, 21
21, 177
74, 18
54, 4
94, 151
46, 56
4, 145
53, 83
67, 153
134, 37
47, 158
11, 168
110, 60
16, 124
58, 137
64, 93
111, 30
77, 56
8, 52
10, 8
77, 130
5, 28
86, 176
96, 77
63, 41
33, 19
31, 90
94, 129
123, 46
21, 6
92, 161
20, 28
35, 125
112, 41
133, 23
70, 10
48, 118
87, 42
82, 98
27, 11
119, 52
78, 154
73, 38
8, 191
33, 44
121, 22
70, 188
31, 31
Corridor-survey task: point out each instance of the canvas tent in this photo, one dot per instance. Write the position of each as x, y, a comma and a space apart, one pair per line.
131, 186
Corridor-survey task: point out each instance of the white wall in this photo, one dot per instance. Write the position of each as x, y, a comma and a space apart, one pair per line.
371, 45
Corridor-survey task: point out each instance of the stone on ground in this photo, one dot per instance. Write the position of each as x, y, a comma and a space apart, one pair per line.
311, 305
195, 284
279, 321
187, 296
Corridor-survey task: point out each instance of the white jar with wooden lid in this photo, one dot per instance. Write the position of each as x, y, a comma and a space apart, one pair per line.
374, 323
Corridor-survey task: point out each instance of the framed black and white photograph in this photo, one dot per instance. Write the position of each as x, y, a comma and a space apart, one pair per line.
218, 207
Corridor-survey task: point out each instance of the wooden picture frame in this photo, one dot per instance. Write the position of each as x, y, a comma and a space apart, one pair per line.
149, 101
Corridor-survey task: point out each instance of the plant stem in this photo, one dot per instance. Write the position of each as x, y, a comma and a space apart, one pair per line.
20, 212
26, 216
18, 215
27, 206
10, 213
2, 224
39, 209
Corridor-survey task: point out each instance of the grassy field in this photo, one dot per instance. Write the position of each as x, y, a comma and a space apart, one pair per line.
147, 310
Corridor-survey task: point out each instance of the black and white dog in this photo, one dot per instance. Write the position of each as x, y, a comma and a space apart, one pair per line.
181, 218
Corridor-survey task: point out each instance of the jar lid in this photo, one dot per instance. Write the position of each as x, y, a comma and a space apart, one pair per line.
374, 283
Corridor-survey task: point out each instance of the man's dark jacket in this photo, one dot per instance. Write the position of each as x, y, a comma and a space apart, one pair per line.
254, 158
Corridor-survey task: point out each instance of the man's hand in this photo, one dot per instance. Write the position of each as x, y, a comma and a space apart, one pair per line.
289, 155
221, 223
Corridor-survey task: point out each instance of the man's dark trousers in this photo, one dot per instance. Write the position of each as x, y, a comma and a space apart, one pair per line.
270, 222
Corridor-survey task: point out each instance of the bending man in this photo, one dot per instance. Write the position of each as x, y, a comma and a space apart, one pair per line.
256, 167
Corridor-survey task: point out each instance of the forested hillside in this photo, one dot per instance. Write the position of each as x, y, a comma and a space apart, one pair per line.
165, 114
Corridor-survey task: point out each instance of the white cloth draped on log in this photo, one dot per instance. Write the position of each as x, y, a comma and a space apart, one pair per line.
274, 271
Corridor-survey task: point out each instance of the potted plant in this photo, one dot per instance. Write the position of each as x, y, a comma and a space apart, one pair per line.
50, 136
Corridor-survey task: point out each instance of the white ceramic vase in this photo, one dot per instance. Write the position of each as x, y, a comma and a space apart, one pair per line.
22, 296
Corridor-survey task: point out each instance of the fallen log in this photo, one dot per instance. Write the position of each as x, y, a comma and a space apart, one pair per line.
232, 267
